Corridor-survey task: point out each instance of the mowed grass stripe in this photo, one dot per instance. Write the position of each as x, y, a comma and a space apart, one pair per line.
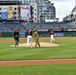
67, 49
39, 70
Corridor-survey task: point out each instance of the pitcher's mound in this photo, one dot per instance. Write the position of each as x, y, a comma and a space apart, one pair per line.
43, 44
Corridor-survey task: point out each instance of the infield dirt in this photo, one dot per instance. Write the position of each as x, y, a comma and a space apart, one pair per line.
43, 44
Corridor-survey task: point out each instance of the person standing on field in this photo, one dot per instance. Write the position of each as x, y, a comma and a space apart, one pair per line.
29, 37
36, 38
52, 36
16, 37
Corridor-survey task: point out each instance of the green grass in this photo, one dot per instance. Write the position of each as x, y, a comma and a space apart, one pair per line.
67, 49
39, 70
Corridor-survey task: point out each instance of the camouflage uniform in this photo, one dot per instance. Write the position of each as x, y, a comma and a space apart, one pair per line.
36, 38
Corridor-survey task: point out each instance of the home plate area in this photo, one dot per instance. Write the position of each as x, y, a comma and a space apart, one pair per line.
43, 44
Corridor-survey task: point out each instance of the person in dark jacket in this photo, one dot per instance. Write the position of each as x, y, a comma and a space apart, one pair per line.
16, 37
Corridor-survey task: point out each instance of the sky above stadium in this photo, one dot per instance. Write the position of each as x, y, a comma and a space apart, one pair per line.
63, 7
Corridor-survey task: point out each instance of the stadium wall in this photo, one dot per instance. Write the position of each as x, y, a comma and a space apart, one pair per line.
41, 34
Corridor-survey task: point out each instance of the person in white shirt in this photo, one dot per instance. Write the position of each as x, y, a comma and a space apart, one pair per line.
51, 35
29, 38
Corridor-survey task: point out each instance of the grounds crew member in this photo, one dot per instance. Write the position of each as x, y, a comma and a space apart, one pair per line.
36, 38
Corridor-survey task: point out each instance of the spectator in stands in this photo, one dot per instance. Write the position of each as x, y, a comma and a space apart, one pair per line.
16, 37
36, 38
29, 37
51, 36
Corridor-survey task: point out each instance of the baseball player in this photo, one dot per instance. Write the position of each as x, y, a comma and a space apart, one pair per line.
52, 36
29, 38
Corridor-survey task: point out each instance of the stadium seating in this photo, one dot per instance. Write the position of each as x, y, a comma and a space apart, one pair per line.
10, 27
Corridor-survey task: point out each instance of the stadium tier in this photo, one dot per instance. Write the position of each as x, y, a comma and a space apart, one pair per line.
11, 27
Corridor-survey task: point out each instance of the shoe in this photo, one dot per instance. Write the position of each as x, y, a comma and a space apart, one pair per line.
15, 45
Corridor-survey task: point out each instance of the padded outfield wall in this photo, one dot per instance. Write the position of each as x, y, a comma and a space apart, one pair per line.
41, 34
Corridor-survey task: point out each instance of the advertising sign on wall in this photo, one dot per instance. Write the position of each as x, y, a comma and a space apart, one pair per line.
10, 11
16, 12
59, 34
3, 8
4, 15
3, 12
22, 34
6, 12
25, 12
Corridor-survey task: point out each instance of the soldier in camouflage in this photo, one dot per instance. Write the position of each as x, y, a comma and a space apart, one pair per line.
36, 38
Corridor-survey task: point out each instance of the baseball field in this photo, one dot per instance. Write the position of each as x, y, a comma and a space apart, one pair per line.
66, 50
